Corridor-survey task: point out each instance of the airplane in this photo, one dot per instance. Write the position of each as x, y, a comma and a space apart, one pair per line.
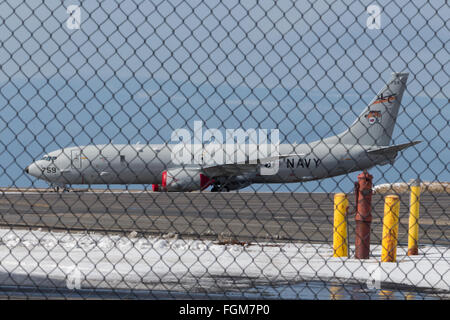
364, 144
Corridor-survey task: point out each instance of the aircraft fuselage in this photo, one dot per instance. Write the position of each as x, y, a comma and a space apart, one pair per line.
128, 164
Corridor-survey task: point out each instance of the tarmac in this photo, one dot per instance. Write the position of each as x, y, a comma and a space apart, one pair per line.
232, 216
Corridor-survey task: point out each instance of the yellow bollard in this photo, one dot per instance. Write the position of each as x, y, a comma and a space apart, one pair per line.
413, 229
386, 294
390, 229
336, 293
340, 244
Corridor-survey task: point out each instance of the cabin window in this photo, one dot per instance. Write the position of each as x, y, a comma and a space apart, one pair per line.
122, 159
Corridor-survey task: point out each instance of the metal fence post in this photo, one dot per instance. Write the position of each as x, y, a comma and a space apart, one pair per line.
363, 215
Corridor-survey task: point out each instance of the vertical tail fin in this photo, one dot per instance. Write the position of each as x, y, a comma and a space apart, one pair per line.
375, 124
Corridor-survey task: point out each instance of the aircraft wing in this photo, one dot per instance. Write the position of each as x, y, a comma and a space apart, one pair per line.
233, 169
229, 169
392, 149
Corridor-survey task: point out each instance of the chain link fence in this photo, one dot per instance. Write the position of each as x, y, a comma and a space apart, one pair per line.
115, 175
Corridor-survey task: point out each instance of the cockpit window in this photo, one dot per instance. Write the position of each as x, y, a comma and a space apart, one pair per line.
48, 158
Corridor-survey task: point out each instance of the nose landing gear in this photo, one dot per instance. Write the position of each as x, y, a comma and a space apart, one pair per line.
57, 187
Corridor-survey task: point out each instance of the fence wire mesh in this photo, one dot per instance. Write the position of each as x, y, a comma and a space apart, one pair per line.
116, 120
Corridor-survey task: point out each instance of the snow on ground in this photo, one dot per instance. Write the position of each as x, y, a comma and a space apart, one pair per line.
113, 261
403, 187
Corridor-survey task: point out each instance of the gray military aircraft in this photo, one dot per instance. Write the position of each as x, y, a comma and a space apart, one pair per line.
363, 145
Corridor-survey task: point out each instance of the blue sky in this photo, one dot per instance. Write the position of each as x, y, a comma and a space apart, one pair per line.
136, 70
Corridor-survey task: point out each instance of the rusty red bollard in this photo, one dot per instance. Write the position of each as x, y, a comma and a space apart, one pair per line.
363, 192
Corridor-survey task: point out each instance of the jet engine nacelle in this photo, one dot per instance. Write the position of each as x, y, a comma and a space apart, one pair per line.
184, 179
237, 182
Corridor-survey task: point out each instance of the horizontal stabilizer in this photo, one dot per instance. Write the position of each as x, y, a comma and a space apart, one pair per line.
392, 149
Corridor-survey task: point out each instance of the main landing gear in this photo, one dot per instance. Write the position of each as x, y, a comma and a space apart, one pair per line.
220, 188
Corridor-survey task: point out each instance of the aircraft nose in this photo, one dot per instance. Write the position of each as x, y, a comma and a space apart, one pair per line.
33, 170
